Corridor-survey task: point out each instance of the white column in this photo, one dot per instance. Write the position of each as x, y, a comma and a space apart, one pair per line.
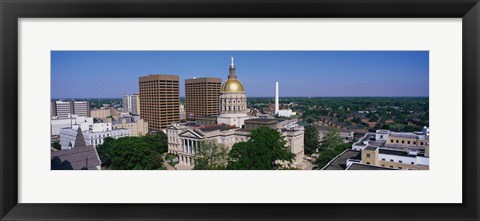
276, 98
184, 144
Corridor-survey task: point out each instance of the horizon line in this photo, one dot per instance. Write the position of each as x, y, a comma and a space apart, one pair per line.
266, 97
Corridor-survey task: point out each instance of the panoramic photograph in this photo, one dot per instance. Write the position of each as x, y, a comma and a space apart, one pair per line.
239, 110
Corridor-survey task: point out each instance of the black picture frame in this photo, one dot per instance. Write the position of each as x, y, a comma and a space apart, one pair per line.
11, 11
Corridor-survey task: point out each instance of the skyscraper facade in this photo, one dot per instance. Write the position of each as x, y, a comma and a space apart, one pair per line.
202, 96
131, 104
159, 100
63, 109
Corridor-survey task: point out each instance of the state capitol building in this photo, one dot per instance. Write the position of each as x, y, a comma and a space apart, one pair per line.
232, 122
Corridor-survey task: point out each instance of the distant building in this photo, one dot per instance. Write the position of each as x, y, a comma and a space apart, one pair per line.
93, 134
131, 104
82, 157
159, 100
286, 113
63, 109
101, 113
202, 96
136, 125
385, 149
183, 115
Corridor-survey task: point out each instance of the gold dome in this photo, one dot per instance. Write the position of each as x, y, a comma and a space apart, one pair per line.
232, 85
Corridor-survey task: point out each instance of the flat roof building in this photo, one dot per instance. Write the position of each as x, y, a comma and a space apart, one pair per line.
385, 149
159, 100
202, 96
63, 109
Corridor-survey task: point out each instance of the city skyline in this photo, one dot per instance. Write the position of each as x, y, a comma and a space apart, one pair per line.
112, 74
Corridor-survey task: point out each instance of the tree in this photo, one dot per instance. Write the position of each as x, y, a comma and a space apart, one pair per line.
56, 145
158, 139
133, 153
266, 150
311, 139
211, 156
103, 151
331, 140
332, 145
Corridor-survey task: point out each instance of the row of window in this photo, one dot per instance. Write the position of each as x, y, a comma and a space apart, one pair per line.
399, 161
408, 142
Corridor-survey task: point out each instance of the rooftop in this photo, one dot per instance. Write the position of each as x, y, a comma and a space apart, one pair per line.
404, 135
76, 158
206, 117
261, 121
340, 161
221, 127
372, 148
359, 166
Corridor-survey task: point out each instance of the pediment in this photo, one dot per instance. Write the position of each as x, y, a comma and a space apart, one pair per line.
190, 134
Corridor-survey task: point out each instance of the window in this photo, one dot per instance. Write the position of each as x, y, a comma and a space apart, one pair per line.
397, 141
383, 165
421, 143
408, 142
391, 160
399, 168
412, 163
400, 161
391, 166
403, 141
391, 141
368, 163
368, 155
383, 159
414, 142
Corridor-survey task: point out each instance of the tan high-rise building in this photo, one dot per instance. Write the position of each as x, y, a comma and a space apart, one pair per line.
159, 100
202, 96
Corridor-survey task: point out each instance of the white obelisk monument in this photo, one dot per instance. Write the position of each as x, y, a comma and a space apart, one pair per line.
276, 98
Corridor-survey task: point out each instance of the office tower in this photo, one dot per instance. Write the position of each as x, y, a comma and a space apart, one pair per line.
159, 100
63, 109
131, 104
202, 96
81, 108
126, 104
135, 104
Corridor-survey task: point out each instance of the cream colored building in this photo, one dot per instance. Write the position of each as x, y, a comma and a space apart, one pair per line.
386, 150
137, 126
100, 113
184, 140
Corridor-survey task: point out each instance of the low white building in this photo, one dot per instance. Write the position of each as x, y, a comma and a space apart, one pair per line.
58, 123
286, 113
93, 134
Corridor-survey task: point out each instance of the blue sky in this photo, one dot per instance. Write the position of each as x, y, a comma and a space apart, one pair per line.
85, 74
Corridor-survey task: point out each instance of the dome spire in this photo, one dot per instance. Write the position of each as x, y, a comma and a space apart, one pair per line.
232, 72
